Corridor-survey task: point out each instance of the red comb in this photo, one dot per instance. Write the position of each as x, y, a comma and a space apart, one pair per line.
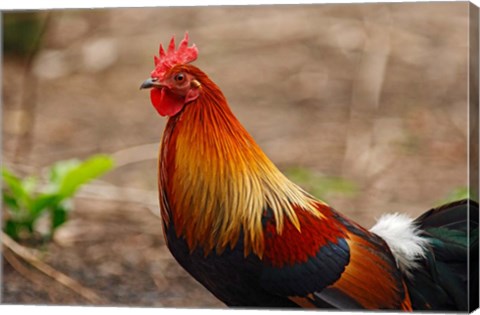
172, 57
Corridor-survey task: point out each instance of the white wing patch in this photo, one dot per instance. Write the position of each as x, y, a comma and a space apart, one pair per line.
403, 237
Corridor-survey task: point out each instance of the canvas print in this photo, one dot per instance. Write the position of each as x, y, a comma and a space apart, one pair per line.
318, 156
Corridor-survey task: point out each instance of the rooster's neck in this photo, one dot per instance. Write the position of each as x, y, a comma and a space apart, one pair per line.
215, 181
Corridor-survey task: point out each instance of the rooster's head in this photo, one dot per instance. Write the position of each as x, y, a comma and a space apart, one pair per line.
172, 86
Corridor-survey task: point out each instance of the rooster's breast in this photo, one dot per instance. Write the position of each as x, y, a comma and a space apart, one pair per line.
230, 276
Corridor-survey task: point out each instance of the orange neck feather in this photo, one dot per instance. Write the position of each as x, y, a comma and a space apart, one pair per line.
217, 180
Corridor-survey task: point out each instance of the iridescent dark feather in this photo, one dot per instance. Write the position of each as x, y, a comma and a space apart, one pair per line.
442, 282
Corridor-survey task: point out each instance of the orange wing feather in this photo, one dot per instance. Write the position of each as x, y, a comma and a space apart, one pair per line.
371, 279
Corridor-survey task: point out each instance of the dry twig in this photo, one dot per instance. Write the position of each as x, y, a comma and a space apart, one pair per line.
27, 272
56, 275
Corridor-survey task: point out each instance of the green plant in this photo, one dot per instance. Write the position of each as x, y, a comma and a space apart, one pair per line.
458, 194
22, 32
26, 204
319, 185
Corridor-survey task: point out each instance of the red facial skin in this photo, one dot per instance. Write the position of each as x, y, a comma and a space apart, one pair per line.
173, 92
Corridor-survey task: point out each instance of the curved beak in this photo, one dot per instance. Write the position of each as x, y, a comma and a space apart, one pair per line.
149, 83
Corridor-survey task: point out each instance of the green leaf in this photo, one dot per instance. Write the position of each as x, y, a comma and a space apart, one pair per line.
43, 201
26, 205
17, 191
59, 216
57, 173
82, 174
16, 187
10, 202
29, 184
11, 228
15, 229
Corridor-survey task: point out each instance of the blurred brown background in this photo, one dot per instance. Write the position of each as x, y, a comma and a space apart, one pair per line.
375, 94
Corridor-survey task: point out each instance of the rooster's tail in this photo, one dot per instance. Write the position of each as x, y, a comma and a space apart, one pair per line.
438, 254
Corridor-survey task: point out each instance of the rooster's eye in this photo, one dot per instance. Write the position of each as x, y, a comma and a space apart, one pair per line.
180, 77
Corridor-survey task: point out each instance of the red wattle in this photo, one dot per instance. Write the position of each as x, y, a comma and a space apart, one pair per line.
165, 102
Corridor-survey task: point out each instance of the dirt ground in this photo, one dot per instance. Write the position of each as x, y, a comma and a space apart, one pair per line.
376, 94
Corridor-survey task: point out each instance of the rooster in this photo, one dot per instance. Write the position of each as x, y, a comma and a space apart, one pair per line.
255, 239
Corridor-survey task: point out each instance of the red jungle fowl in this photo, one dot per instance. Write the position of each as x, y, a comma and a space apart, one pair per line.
255, 239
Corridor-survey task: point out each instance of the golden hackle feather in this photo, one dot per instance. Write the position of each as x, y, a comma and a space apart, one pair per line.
221, 181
